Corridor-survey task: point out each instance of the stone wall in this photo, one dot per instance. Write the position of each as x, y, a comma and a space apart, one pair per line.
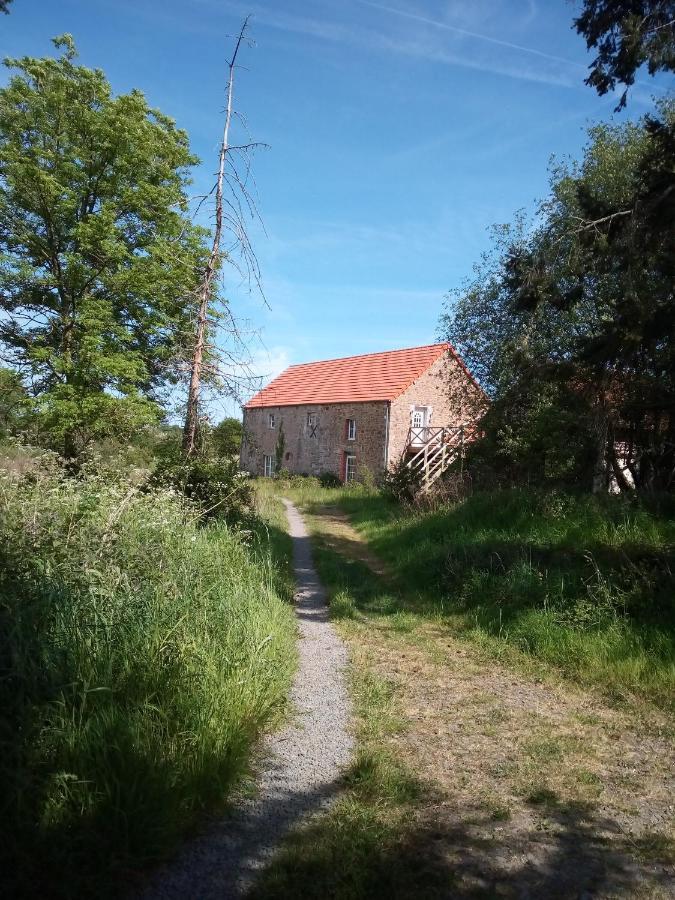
447, 389
314, 450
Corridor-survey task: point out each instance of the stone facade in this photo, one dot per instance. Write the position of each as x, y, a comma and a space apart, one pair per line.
316, 436
313, 447
449, 395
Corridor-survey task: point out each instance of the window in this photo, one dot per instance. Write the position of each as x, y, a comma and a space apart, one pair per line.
418, 418
350, 467
351, 429
271, 420
268, 466
311, 425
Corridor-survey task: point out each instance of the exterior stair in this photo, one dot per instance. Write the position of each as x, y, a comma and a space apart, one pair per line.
431, 451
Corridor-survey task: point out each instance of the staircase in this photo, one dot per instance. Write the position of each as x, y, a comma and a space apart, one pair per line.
430, 451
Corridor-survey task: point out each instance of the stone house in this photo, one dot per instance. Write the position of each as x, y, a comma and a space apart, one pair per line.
346, 416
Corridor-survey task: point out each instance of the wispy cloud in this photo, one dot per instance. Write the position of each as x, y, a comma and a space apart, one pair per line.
418, 45
464, 32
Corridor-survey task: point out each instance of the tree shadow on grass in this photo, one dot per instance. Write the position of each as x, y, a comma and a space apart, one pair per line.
358, 851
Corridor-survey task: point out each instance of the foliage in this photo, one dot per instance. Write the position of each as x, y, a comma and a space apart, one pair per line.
14, 404
279, 449
627, 34
4, 6
226, 437
570, 326
400, 482
214, 484
99, 257
146, 653
329, 480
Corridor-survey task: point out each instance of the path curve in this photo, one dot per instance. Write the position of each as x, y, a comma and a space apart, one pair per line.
299, 767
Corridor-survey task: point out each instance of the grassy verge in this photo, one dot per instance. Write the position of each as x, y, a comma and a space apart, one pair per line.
140, 656
580, 583
470, 779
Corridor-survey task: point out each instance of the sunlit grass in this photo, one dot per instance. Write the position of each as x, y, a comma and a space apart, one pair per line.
145, 654
582, 583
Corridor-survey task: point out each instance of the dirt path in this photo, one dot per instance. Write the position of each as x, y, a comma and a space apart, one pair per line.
299, 768
538, 788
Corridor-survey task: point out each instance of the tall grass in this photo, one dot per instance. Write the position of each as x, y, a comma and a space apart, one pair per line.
140, 655
584, 583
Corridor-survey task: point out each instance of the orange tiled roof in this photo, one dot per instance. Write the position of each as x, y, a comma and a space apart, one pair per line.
353, 379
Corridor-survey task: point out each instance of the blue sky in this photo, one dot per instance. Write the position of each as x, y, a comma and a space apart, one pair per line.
398, 132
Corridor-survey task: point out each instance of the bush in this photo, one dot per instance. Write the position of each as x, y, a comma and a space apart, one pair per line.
140, 656
329, 480
400, 483
216, 485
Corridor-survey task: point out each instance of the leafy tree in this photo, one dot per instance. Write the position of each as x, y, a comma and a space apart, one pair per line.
627, 34
4, 6
14, 403
571, 325
226, 437
99, 259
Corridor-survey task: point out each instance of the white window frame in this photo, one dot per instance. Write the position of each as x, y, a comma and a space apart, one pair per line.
351, 429
271, 420
350, 472
268, 466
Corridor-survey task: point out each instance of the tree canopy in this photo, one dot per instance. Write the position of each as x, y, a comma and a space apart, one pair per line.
99, 258
570, 325
627, 34
226, 437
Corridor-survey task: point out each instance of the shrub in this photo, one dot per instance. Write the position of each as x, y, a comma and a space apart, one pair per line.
401, 483
329, 480
139, 657
216, 485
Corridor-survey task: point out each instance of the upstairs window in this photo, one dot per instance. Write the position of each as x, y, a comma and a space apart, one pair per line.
270, 420
311, 425
351, 429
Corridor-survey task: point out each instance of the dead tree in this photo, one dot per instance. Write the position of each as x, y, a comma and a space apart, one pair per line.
205, 290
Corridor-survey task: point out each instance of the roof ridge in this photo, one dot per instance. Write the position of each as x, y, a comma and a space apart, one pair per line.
314, 362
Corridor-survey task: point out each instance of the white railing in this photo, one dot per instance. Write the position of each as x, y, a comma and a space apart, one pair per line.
435, 449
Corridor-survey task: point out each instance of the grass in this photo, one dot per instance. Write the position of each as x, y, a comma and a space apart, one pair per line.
140, 657
459, 764
583, 584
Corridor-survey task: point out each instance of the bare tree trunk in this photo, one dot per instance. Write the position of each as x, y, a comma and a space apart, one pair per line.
191, 428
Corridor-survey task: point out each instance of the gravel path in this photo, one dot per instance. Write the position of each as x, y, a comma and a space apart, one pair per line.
299, 767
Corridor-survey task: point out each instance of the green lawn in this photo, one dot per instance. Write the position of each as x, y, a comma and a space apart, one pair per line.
582, 583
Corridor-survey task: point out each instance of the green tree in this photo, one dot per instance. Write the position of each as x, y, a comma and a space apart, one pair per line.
226, 437
99, 259
14, 403
627, 34
4, 6
572, 324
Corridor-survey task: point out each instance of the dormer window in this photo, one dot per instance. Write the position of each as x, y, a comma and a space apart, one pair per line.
351, 429
270, 420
